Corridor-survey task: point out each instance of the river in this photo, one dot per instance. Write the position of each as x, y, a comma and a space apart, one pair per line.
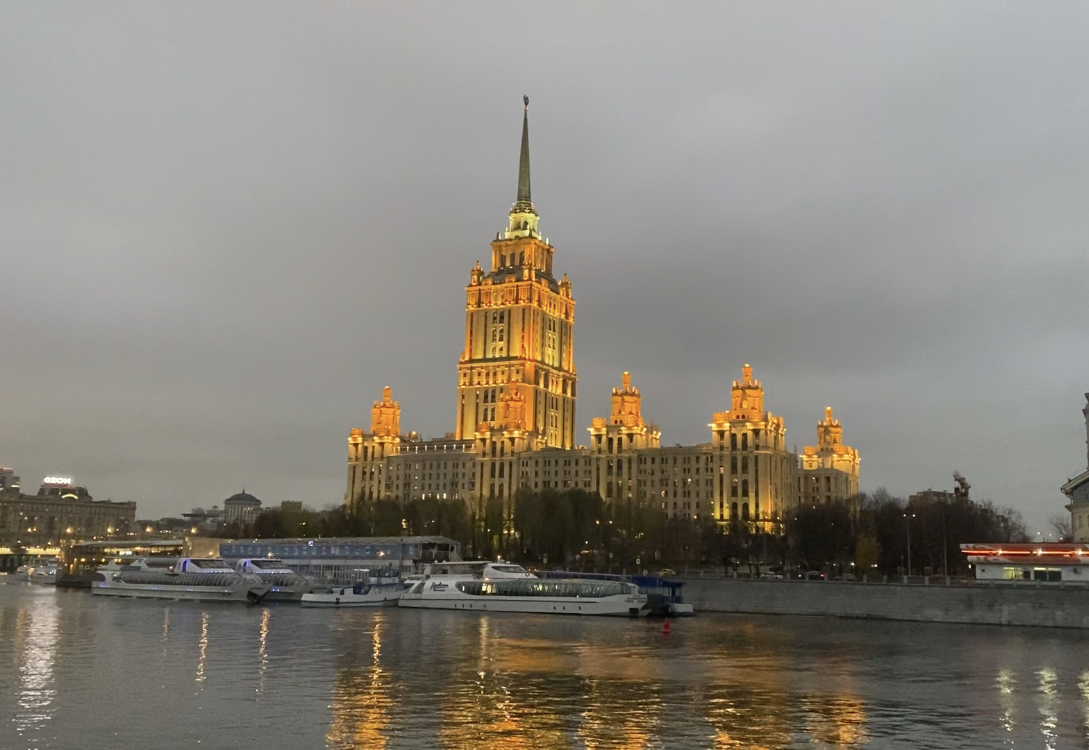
80, 671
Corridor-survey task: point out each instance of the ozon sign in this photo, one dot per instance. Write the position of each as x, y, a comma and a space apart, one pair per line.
58, 480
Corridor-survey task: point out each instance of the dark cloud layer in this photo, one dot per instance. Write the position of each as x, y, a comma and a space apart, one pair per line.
224, 228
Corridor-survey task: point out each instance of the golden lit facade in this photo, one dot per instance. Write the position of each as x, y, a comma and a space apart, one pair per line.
519, 328
830, 469
516, 413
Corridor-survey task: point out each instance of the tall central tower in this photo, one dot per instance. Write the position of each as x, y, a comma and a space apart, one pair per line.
519, 324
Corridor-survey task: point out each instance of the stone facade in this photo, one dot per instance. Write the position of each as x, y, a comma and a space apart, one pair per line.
241, 508
516, 415
1077, 489
830, 469
51, 518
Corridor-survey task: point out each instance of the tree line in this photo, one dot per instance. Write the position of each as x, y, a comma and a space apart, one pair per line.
557, 528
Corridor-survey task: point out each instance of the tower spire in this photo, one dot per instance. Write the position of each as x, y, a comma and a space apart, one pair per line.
523, 158
523, 216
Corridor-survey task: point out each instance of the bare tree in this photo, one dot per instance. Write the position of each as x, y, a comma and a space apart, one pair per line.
1060, 523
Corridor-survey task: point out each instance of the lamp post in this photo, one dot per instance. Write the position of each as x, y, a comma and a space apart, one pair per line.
907, 525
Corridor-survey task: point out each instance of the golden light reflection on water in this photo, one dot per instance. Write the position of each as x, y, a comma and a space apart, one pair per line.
1007, 686
36, 634
202, 662
262, 650
1048, 702
362, 700
625, 716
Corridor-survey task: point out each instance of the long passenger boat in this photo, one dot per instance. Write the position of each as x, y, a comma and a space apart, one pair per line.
179, 578
502, 587
284, 583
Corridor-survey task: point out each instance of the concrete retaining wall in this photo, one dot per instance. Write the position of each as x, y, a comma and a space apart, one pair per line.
1043, 606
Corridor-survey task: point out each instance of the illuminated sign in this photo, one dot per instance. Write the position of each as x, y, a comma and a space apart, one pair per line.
58, 480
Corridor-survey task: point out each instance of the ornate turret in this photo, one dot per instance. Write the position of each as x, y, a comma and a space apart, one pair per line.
626, 420
386, 416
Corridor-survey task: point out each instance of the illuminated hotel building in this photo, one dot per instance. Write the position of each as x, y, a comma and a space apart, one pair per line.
516, 414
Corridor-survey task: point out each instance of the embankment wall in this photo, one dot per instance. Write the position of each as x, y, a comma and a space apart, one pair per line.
1022, 605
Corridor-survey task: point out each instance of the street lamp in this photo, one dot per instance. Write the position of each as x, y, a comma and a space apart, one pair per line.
907, 524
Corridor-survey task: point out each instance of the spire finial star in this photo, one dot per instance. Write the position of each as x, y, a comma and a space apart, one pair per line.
525, 99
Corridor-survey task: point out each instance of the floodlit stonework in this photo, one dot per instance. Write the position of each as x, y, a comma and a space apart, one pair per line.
829, 469
516, 415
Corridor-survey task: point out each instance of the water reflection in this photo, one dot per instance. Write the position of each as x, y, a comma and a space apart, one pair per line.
262, 650
36, 633
1083, 688
361, 701
1006, 684
202, 662
1048, 702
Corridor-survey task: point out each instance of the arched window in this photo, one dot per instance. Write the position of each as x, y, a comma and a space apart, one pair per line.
620, 467
733, 464
502, 261
521, 258
745, 441
744, 464
502, 316
609, 490
493, 350
610, 445
744, 488
745, 511
495, 317
495, 334
733, 441
500, 334
501, 466
500, 488
619, 444
733, 511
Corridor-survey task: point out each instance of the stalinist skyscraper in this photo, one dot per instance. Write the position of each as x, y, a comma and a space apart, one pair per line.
519, 329
515, 426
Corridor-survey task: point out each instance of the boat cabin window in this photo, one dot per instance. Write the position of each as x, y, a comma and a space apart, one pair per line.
509, 569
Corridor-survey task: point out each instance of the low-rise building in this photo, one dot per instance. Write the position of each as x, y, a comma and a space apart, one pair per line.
62, 511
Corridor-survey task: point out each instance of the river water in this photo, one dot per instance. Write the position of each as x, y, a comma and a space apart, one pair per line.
79, 671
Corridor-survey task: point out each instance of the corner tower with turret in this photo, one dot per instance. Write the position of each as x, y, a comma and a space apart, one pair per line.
519, 329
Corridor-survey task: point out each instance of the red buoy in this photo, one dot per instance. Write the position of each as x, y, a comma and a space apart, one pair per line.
665, 627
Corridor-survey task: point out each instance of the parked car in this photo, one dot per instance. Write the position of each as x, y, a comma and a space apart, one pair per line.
845, 577
665, 572
814, 575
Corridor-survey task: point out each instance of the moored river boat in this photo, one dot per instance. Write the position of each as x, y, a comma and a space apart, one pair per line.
179, 578
503, 587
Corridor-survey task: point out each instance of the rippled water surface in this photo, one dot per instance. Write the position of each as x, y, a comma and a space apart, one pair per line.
78, 671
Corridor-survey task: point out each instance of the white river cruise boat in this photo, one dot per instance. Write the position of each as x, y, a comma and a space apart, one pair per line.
359, 594
187, 578
503, 587
284, 583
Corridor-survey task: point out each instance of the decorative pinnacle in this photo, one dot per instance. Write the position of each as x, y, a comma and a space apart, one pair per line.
523, 159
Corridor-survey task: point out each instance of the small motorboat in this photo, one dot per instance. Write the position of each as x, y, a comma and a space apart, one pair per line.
359, 594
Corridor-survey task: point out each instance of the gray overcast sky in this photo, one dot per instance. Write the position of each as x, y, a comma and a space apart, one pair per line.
224, 227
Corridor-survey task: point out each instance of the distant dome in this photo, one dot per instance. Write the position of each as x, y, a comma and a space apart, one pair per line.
243, 497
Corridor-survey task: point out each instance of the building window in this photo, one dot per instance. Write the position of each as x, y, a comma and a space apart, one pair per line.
733, 441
